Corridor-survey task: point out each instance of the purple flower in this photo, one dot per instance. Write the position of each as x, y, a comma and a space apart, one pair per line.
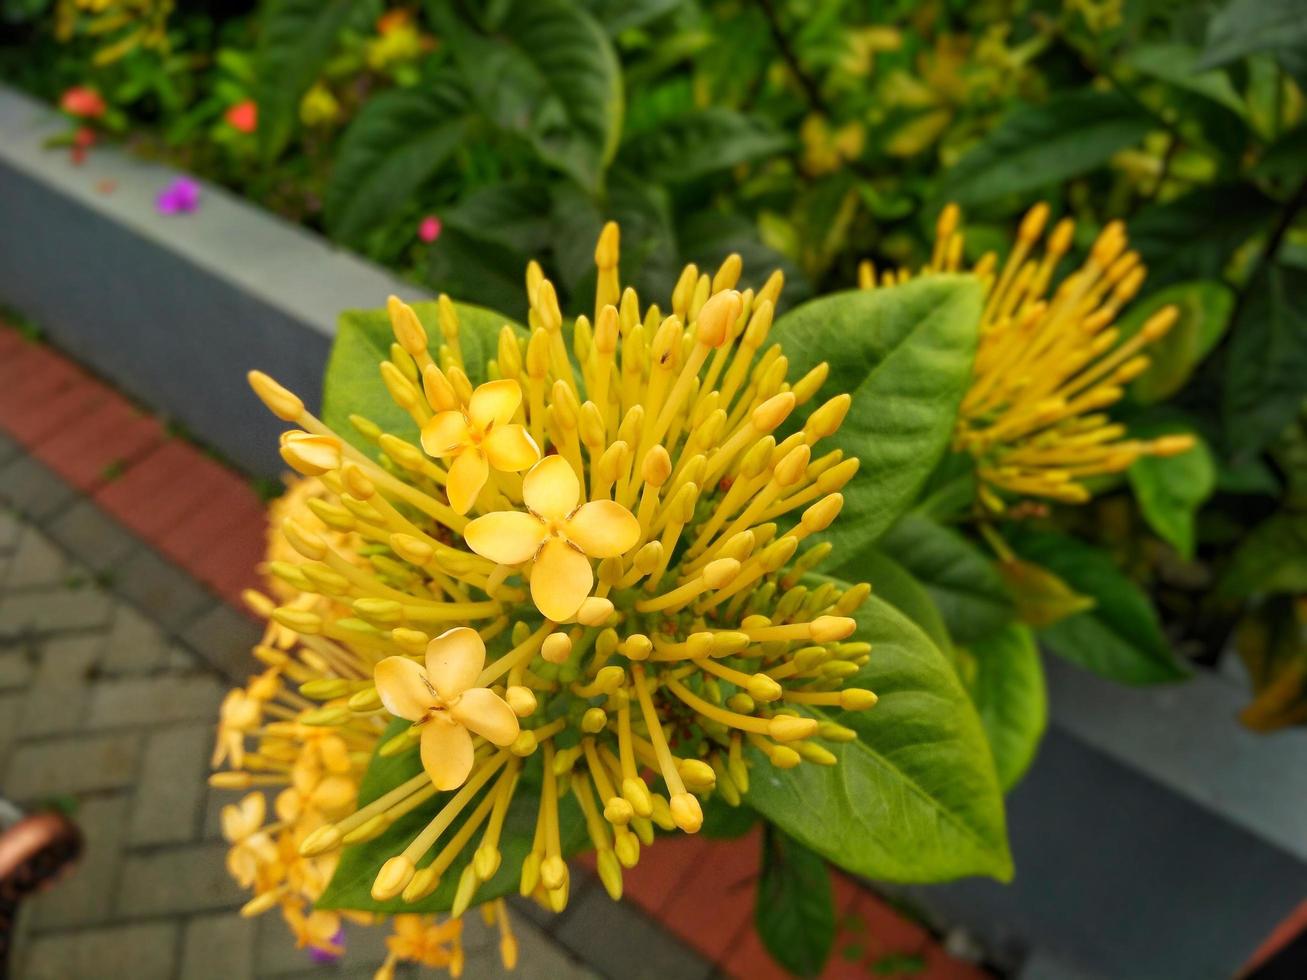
182, 196
325, 955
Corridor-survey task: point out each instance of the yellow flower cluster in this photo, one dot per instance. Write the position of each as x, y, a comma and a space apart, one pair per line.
123, 25
585, 574
1049, 360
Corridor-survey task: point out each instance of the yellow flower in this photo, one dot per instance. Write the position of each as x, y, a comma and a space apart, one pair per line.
443, 700
642, 586
559, 533
480, 437
1049, 361
238, 714
319, 107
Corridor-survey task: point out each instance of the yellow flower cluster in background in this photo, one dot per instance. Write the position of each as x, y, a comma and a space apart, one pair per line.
124, 25
586, 573
1049, 361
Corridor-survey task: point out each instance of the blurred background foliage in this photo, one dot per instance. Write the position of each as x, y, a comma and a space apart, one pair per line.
809, 135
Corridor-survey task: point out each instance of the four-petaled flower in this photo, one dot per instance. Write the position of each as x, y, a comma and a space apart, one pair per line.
479, 437
561, 536
443, 701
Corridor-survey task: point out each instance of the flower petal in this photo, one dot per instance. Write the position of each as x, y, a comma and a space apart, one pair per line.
603, 529
560, 580
508, 537
454, 660
445, 433
402, 686
510, 448
494, 403
467, 476
486, 713
446, 753
551, 489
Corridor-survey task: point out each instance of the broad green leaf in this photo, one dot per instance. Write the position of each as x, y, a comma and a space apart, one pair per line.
961, 580
894, 584
296, 37
548, 71
1036, 146
622, 15
1266, 363
1204, 308
1174, 63
721, 821
1120, 638
1171, 489
915, 798
1006, 682
351, 885
904, 353
1286, 157
1244, 27
1041, 598
1194, 236
352, 384
394, 146
700, 142
794, 911
1273, 558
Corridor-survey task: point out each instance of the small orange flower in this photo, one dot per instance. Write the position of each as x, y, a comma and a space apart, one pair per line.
83, 102
560, 535
243, 116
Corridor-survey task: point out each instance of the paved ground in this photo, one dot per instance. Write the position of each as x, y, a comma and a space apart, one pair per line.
110, 678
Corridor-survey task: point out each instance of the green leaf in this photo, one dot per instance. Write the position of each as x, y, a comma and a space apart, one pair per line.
795, 908
961, 580
1194, 236
1286, 158
700, 142
1204, 308
351, 885
1120, 638
1007, 685
296, 37
549, 71
399, 140
1037, 146
1171, 489
915, 798
1273, 558
1174, 63
1266, 363
904, 353
622, 15
1244, 27
894, 584
352, 384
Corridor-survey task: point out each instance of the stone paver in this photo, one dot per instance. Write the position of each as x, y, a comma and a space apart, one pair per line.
126, 952
172, 785
218, 946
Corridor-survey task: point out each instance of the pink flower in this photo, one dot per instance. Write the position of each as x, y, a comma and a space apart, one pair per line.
180, 197
243, 116
429, 229
83, 102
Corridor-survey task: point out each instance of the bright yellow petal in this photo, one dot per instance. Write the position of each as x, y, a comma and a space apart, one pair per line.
486, 713
510, 448
603, 529
467, 476
446, 753
551, 489
454, 660
402, 686
494, 403
508, 537
560, 580
445, 433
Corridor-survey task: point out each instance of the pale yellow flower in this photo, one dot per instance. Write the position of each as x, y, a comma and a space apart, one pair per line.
479, 437
239, 714
561, 536
443, 700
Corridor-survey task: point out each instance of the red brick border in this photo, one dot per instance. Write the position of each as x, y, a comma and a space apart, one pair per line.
207, 519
